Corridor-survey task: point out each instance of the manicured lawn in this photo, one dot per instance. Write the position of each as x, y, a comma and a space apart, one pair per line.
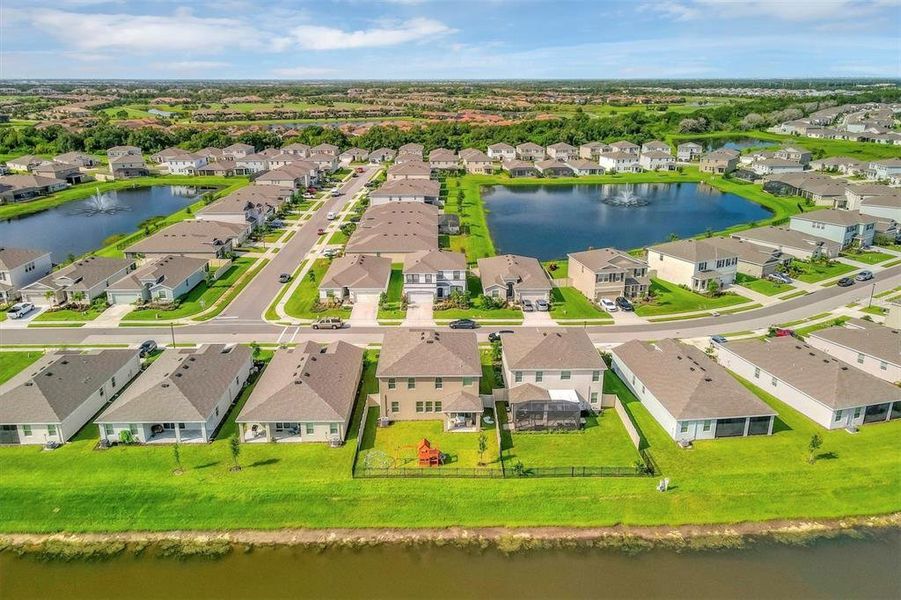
474, 286
394, 308
339, 238
301, 302
89, 314
562, 270
200, 298
569, 303
603, 443
669, 298
766, 287
822, 325
869, 258
812, 272
398, 441
476, 240
874, 310
12, 363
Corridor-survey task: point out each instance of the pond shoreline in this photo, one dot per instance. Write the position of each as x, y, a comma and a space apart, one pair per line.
184, 544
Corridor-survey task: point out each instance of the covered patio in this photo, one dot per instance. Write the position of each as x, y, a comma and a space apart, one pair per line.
184, 433
256, 433
463, 412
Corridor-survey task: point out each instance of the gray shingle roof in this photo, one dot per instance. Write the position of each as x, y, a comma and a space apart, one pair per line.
10, 258
432, 261
868, 338
358, 271
524, 271
169, 271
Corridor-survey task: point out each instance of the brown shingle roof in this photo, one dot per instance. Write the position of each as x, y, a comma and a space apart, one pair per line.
429, 353
551, 349
358, 271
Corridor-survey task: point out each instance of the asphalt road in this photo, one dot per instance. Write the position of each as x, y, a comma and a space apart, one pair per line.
253, 328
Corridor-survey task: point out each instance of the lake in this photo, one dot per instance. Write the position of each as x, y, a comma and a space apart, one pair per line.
81, 226
733, 143
839, 568
548, 221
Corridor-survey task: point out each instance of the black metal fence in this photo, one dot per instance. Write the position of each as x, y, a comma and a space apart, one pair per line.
428, 473
577, 472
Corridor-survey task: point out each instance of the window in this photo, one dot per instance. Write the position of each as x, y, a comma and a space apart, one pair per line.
860, 358
467, 381
838, 416
51, 429
539, 376
774, 382
437, 405
217, 411
517, 376
707, 425
595, 375
594, 398
857, 413
310, 428
395, 407
439, 383
411, 383
683, 428
26, 430
756, 372
333, 428
565, 375
133, 429
108, 430
392, 383
428, 406
419, 407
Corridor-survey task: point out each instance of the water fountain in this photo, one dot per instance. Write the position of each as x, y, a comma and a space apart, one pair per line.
101, 203
626, 197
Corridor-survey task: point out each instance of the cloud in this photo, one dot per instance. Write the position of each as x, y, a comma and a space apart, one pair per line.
783, 10
188, 66
314, 37
302, 72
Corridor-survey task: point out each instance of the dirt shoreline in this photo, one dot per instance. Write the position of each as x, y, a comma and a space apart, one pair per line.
216, 543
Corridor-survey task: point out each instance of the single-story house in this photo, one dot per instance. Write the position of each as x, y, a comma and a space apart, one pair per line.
426, 191
514, 278
16, 188
519, 168
353, 155
584, 166
377, 157
57, 170
79, 282
794, 243
236, 151
865, 345
353, 276
80, 159
24, 164
553, 168
163, 280
396, 229
197, 237
410, 170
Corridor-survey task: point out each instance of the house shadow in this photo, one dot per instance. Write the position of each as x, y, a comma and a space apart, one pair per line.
779, 425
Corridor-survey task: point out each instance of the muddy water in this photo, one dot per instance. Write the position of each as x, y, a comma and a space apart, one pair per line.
843, 569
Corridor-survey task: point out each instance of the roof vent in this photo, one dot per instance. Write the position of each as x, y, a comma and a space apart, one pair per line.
298, 381
164, 384
64, 362
708, 379
49, 374
178, 374
29, 383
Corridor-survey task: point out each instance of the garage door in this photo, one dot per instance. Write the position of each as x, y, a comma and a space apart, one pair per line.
420, 297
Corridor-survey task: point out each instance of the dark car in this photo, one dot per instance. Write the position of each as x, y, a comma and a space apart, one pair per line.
718, 339
845, 282
147, 348
284, 278
624, 304
463, 324
495, 336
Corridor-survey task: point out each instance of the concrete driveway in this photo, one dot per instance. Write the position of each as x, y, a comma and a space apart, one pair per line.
419, 310
538, 318
365, 310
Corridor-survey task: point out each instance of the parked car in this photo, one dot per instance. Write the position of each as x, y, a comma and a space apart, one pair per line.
779, 278
336, 192
542, 305
147, 348
332, 215
320, 231
495, 336
845, 282
718, 339
276, 223
864, 276
328, 323
360, 170
608, 305
623, 303
463, 324
19, 310
527, 306
331, 252
784, 332
284, 278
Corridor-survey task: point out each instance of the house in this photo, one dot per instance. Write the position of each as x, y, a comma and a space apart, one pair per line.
688, 393
24, 164
530, 151
822, 388
720, 162
476, 162
619, 162
882, 169
656, 146
584, 166
201, 238
20, 267
553, 168
305, 394
406, 190
236, 151
164, 280
219, 168
624, 146
443, 159
327, 149
592, 150
563, 362
252, 205
296, 149
693, 263
689, 151
79, 282
281, 159
856, 194
768, 166
562, 151
79, 159
353, 155
250, 164
798, 155
182, 397
435, 273
120, 151
410, 170
414, 149
17, 188
514, 278
53, 398
884, 208
873, 348
355, 275
167, 153
839, 164
608, 273
501, 152
127, 166
184, 163
519, 168
845, 227
794, 243
654, 160
56, 170
428, 375
377, 157
296, 176
753, 259
394, 230
324, 162
211, 154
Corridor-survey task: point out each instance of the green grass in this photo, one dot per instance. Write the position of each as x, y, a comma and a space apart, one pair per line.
474, 286
813, 272
476, 240
669, 298
199, 299
766, 287
894, 263
562, 270
90, 313
803, 331
797, 294
12, 363
827, 148
869, 258
394, 307
301, 302
874, 310
339, 238
569, 303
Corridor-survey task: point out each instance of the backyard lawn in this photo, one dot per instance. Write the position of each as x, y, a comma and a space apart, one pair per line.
812, 272
13, 362
766, 287
869, 258
200, 298
301, 302
569, 303
669, 298
394, 308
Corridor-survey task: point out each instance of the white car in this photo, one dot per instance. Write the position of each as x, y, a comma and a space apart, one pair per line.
20, 310
608, 305
331, 216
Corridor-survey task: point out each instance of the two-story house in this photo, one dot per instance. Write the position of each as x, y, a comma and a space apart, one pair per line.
616, 161
688, 151
530, 151
435, 273
845, 227
562, 151
608, 273
501, 152
20, 267
693, 263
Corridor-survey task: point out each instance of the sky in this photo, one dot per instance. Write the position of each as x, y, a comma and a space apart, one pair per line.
449, 39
